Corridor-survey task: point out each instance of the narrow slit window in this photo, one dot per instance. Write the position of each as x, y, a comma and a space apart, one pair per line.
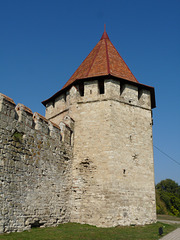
101, 86
122, 87
65, 96
139, 93
81, 89
71, 138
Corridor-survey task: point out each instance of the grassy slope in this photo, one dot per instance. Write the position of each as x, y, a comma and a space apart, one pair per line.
74, 231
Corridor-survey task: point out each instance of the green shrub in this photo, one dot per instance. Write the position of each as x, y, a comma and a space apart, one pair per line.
17, 136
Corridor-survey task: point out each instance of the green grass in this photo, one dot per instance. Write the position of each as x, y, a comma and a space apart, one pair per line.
75, 231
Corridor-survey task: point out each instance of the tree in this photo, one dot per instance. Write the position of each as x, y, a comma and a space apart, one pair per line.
170, 186
168, 197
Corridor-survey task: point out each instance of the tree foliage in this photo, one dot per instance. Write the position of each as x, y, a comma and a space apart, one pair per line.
168, 197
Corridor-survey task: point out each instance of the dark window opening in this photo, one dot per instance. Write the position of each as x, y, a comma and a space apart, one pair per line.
124, 171
53, 103
48, 131
122, 87
71, 138
139, 93
65, 96
81, 89
101, 87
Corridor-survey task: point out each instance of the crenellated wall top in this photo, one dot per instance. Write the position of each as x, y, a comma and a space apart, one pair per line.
25, 116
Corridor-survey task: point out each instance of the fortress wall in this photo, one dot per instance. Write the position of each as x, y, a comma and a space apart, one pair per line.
35, 167
113, 171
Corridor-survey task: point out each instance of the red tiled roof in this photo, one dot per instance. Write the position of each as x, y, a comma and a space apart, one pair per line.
103, 60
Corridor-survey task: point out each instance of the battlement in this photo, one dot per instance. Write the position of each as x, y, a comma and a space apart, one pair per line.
116, 90
24, 115
99, 90
7, 106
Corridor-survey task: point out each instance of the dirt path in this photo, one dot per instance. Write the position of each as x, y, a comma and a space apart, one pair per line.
168, 221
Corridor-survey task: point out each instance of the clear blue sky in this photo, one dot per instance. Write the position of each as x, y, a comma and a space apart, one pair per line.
42, 42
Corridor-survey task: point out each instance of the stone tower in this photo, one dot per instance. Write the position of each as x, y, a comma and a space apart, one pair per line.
109, 114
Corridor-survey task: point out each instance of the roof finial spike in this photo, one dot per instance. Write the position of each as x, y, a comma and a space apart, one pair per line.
104, 36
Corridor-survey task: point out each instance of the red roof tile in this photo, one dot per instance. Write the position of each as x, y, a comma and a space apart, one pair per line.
103, 60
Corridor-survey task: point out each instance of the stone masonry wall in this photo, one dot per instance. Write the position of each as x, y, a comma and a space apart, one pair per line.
112, 170
35, 170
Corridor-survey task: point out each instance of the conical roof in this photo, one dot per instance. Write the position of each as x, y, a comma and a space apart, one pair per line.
103, 60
